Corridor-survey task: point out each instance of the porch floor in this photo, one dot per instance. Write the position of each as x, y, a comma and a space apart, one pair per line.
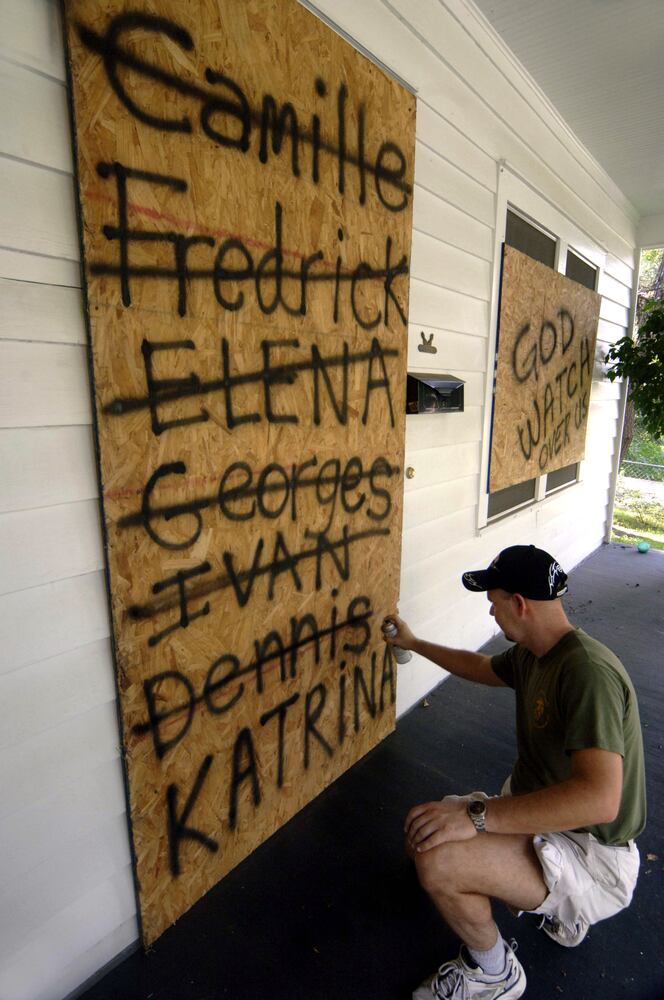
329, 908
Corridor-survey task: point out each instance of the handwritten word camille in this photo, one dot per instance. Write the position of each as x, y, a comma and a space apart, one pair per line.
271, 375
227, 118
233, 264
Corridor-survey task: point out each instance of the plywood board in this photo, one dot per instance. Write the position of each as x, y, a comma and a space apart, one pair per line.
245, 179
546, 346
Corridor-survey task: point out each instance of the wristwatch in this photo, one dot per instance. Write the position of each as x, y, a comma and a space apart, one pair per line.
476, 809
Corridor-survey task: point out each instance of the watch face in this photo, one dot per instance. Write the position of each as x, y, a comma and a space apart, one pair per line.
477, 808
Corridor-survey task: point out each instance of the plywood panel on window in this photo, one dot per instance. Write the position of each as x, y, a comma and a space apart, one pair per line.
245, 179
546, 346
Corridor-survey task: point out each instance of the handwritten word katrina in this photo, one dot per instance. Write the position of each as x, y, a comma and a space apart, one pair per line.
171, 697
324, 551
320, 721
269, 375
565, 397
233, 265
227, 118
244, 495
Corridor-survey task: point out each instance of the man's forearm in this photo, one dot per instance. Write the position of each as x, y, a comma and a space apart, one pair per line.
460, 662
569, 805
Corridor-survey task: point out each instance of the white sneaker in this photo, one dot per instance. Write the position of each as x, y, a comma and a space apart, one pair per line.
461, 980
568, 935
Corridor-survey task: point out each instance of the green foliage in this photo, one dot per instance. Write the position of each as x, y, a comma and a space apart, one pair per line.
642, 361
644, 447
650, 271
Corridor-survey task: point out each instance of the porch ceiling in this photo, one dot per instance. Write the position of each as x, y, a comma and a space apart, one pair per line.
600, 64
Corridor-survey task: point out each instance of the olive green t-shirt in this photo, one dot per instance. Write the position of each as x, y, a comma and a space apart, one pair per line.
576, 697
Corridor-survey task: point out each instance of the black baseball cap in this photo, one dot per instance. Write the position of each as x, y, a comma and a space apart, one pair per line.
521, 569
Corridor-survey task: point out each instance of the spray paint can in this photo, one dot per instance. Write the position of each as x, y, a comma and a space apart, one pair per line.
400, 655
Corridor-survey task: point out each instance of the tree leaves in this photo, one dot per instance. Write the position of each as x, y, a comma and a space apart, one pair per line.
642, 361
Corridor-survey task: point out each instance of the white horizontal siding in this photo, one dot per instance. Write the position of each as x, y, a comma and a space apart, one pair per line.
31, 835
453, 350
57, 466
68, 684
47, 384
34, 311
35, 123
38, 210
436, 217
69, 613
69, 901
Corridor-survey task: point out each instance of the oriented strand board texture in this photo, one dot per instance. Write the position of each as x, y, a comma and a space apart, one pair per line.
245, 182
546, 347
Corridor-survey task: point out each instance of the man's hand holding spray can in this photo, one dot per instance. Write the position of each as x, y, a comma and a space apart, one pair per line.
390, 630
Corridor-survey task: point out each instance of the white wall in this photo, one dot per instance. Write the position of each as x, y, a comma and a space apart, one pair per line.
67, 898
65, 876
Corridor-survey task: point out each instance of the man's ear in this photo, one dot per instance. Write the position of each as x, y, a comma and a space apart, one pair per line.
520, 604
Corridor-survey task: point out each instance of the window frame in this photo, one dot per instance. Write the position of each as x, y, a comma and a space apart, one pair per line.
518, 196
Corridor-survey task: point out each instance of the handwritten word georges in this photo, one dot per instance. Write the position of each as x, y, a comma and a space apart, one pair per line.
244, 495
565, 396
226, 116
233, 264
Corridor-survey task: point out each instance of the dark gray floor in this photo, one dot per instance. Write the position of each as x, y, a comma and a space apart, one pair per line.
329, 908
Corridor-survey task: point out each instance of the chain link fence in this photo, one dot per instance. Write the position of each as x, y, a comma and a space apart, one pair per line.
643, 470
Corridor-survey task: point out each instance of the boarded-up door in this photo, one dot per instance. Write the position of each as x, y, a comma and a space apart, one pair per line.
245, 182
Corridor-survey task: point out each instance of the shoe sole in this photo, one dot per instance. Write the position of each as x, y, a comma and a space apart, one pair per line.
566, 944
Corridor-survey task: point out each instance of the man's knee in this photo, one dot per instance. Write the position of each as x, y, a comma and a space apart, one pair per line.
438, 868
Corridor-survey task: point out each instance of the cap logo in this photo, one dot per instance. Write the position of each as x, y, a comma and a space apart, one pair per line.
554, 569
471, 582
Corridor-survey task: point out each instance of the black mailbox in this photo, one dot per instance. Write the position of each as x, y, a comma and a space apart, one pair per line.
434, 393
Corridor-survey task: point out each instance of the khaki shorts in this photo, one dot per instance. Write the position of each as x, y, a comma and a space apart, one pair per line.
587, 881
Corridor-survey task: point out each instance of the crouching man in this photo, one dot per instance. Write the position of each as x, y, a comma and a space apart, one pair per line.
559, 840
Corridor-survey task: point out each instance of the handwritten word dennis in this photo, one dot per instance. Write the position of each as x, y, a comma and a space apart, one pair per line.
241, 499
321, 722
283, 562
233, 264
270, 375
227, 118
171, 697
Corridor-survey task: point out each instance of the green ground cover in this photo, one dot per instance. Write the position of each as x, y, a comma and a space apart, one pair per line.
637, 517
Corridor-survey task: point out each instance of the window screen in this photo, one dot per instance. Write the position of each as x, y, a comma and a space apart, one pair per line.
529, 239
512, 496
561, 477
579, 270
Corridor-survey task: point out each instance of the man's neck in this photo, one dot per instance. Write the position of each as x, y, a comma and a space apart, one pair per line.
545, 639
